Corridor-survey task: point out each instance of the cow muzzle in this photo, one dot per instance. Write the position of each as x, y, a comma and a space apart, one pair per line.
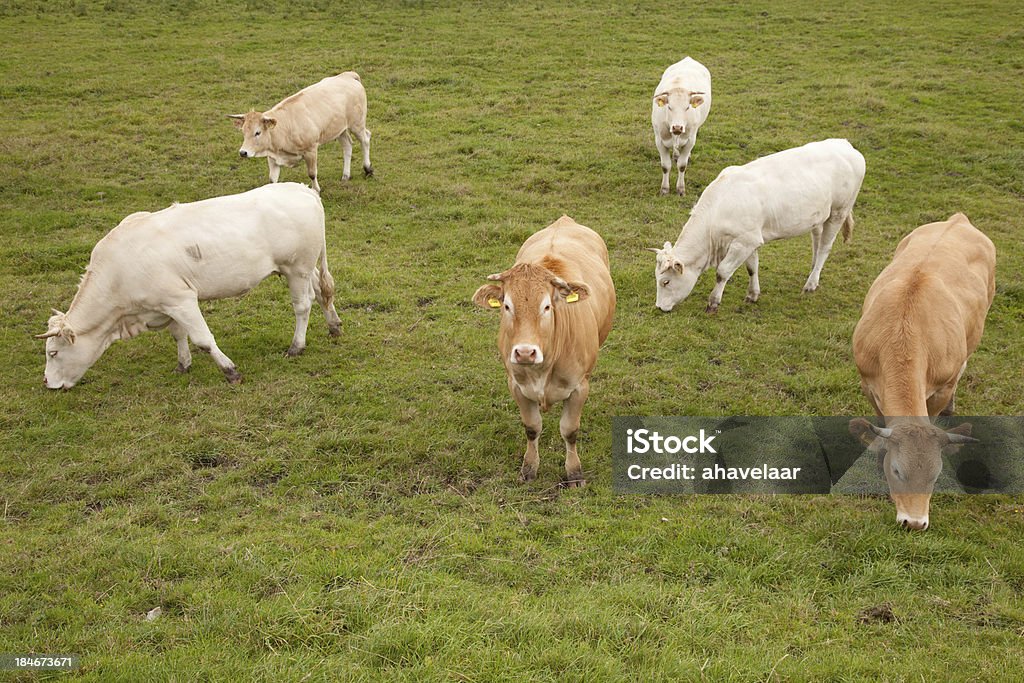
242, 153
527, 354
915, 523
678, 130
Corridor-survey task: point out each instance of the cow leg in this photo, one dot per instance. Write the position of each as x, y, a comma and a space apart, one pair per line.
333, 321
569, 425
737, 254
274, 168
364, 142
346, 148
191, 320
301, 289
181, 338
754, 288
529, 411
681, 163
827, 236
666, 162
310, 159
943, 401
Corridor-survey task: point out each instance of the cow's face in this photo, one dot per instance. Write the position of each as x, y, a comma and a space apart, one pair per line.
911, 456
674, 281
673, 105
529, 297
68, 354
256, 128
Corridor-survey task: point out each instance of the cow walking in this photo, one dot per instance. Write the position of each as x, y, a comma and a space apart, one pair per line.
680, 107
293, 129
922, 319
556, 304
153, 269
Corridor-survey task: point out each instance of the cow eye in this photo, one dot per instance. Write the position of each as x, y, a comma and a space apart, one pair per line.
257, 134
547, 307
507, 307
53, 354
664, 283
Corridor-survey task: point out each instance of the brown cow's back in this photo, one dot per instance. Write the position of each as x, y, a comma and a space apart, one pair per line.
924, 315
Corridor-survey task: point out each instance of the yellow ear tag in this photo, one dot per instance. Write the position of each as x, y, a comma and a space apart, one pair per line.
575, 296
661, 103
493, 303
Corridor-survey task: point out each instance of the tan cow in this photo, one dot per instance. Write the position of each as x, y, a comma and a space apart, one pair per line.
922, 319
293, 129
557, 304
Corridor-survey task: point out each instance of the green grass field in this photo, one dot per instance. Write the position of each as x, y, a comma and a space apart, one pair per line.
353, 514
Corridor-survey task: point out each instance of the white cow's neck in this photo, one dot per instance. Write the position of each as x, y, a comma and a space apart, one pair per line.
90, 309
692, 247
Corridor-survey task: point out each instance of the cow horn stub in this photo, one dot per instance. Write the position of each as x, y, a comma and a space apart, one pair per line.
884, 432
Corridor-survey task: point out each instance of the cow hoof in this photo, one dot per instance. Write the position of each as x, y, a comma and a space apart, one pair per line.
182, 369
712, 309
575, 483
751, 299
527, 474
333, 331
295, 351
233, 376
663, 191
345, 177
810, 290
681, 191
368, 171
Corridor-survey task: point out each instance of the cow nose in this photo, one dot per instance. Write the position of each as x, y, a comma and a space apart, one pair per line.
526, 354
677, 130
242, 153
915, 524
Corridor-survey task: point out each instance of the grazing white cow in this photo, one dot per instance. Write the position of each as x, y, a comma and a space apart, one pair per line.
557, 303
153, 269
806, 189
922, 319
293, 129
680, 106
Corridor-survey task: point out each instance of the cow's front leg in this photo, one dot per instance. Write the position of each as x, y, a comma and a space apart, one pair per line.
827, 236
274, 169
188, 315
666, 162
529, 411
569, 426
181, 338
737, 254
310, 159
754, 288
346, 155
301, 289
682, 161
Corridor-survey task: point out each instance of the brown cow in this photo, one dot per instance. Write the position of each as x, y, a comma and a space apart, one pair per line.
294, 128
557, 304
922, 319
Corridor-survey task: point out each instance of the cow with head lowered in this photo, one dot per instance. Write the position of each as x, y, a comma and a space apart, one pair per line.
152, 270
679, 108
556, 305
922, 319
293, 129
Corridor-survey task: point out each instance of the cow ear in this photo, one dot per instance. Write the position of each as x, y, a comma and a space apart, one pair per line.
237, 119
861, 430
268, 122
488, 296
678, 267
696, 100
573, 291
661, 100
667, 246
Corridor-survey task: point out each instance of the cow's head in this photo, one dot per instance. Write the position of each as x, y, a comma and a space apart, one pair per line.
674, 104
256, 127
673, 279
911, 456
529, 297
68, 353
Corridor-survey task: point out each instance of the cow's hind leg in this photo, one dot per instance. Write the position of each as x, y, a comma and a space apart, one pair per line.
181, 338
737, 254
274, 170
301, 289
828, 233
310, 159
327, 305
363, 134
569, 426
190, 318
346, 149
529, 411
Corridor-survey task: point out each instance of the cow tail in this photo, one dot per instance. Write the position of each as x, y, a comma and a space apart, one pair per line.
326, 280
848, 227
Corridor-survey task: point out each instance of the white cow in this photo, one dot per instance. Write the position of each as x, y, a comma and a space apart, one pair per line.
680, 106
800, 190
153, 269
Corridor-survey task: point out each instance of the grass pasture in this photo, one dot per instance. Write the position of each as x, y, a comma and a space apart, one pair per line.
353, 514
